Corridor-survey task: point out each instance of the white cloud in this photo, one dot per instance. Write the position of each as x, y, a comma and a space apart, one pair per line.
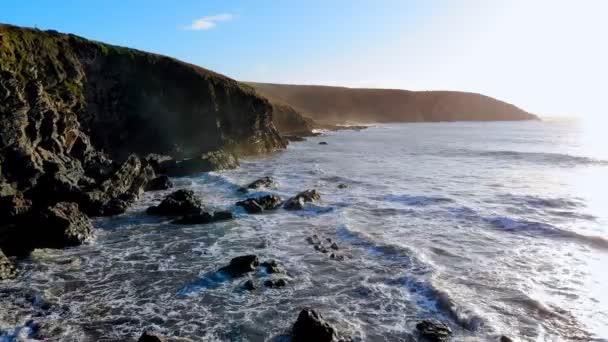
208, 22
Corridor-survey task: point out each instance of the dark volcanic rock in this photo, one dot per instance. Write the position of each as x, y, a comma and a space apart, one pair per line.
205, 217
342, 186
249, 285
272, 266
274, 283
210, 161
260, 204
505, 339
297, 202
62, 225
7, 270
240, 265
115, 206
311, 326
433, 330
161, 182
150, 336
180, 202
323, 143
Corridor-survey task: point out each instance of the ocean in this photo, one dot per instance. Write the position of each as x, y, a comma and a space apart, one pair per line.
495, 228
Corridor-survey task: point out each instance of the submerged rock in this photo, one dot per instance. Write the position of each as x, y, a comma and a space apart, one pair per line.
342, 186
249, 285
272, 266
162, 182
209, 161
323, 143
7, 270
311, 326
297, 202
434, 330
274, 283
150, 336
264, 182
240, 265
180, 202
205, 217
260, 204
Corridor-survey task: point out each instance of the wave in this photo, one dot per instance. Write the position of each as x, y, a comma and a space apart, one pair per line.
415, 200
544, 229
539, 157
541, 202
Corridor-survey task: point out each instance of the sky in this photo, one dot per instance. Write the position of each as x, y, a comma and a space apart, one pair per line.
546, 56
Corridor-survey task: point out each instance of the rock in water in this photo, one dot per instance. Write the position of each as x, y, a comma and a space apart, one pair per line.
63, 225
260, 204
264, 182
161, 182
323, 143
274, 283
205, 217
297, 202
180, 202
7, 270
272, 266
149, 336
249, 285
434, 330
311, 326
505, 339
240, 265
210, 161
342, 186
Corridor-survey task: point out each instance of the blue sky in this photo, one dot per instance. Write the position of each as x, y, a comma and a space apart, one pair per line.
546, 56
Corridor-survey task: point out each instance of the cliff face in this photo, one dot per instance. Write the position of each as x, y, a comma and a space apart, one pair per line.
77, 118
338, 105
63, 97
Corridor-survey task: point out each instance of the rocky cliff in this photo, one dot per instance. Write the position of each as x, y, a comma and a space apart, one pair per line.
339, 105
78, 117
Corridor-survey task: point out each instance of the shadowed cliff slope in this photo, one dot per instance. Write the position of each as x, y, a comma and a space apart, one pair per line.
339, 105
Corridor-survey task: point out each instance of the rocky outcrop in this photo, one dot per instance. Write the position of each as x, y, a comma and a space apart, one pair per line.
7, 270
433, 330
241, 265
151, 336
77, 116
162, 182
340, 105
260, 204
297, 202
311, 326
209, 161
179, 203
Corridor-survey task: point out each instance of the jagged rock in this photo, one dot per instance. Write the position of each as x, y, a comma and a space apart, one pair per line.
161, 163
260, 204
249, 285
274, 283
264, 182
434, 330
210, 161
7, 270
297, 202
240, 265
14, 205
311, 326
205, 217
272, 266
115, 206
63, 225
150, 336
180, 202
161, 182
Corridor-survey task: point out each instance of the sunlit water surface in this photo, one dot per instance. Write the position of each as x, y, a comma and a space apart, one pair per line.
494, 228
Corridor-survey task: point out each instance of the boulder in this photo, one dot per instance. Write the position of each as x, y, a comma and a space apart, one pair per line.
161, 182
260, 204
311, 326
505, 339
180, 202
115, 206
240, 265
205, 217
264, 182
272, 266
249, 285
150, 336
434, 330
274, 283
297, 202
210, 161
61, 225
7, 270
